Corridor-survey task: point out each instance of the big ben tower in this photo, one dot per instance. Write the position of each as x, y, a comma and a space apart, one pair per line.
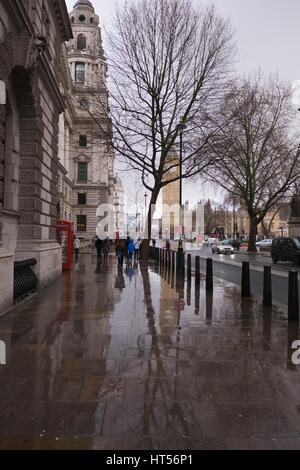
92, 157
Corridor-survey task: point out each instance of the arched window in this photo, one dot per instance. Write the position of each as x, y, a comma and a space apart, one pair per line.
81, 42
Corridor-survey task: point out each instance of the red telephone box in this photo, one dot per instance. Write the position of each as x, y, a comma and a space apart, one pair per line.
64, 236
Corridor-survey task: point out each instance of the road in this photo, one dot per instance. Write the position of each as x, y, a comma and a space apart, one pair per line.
228, 267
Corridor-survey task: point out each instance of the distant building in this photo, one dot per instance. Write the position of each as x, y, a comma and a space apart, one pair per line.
119, 205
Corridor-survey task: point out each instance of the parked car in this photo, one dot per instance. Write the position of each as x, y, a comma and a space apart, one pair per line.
234, 242
286, 249
223, 247
264, 243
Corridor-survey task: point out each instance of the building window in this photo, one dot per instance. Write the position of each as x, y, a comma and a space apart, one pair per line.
84, 103
81, 198
81, 223
81, 42
82, 18
82, 140
82, 171
79, 73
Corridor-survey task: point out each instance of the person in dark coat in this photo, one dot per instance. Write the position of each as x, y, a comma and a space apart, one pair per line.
99, 245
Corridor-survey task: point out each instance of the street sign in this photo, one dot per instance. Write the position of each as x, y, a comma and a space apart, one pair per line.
2, 92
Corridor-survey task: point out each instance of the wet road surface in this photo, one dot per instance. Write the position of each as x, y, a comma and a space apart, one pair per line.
136, 358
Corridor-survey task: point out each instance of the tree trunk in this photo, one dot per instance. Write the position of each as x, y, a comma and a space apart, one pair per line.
148, 228
252, 234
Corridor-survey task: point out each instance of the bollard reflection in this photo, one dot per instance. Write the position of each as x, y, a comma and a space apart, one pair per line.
189, 288
197, 299
209, 306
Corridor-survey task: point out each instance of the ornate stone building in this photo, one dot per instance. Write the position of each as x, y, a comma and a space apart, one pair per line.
55, 161
32, 33
90, 159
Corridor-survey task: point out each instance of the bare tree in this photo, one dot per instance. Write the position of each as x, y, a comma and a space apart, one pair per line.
167, 61
256, 157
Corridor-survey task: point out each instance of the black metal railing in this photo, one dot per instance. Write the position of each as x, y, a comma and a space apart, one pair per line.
25, 280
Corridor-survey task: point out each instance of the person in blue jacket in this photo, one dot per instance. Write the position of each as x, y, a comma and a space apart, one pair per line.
130, 249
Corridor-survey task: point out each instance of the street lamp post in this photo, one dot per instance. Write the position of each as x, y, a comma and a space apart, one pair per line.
180, 127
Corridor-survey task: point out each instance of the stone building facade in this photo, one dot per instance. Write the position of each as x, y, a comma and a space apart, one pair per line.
90, 164
55, 161
32, 33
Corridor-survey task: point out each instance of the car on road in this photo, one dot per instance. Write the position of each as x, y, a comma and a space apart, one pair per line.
210, 241
286, 249
223, 247
264, 243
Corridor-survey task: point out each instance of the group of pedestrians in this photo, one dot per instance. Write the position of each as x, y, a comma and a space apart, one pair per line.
102, 246
128, 248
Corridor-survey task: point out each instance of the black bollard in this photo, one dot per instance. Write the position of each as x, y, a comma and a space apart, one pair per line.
182, 264
197, 270
189, 291
293, 302
209, 275
178, 259
246, 279
189, 266
267, 286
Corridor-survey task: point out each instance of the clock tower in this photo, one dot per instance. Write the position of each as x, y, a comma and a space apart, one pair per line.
171, 197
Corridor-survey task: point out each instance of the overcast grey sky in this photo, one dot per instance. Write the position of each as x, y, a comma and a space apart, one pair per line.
267, 33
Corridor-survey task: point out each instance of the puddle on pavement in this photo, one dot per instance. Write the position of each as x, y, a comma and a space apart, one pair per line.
114, 353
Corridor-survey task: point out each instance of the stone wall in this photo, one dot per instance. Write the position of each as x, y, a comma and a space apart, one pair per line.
29, 134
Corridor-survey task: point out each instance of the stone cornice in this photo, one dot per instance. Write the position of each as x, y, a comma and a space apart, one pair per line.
18, 15
63, 19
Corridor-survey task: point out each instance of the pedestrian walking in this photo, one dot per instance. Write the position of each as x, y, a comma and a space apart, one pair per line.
130, 249
98, 245
168, 245
137, 245
153, 242
127, 241
120, 249
106, 248
76, 245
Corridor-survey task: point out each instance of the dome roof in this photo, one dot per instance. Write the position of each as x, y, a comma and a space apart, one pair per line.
83, 3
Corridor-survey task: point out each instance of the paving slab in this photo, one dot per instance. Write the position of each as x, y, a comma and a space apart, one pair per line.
136, 357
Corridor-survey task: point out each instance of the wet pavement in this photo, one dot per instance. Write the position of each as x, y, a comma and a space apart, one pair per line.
137, 358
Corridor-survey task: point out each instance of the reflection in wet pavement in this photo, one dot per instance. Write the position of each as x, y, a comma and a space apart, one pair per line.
135, 357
